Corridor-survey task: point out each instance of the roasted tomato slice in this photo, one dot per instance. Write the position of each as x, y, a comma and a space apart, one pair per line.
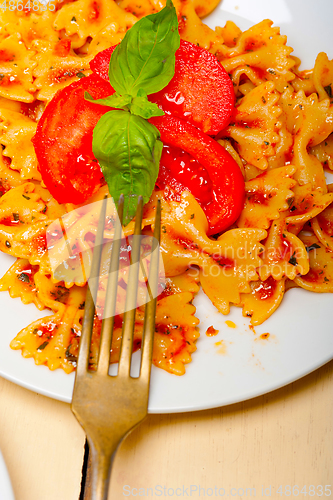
207, 171
200, 91
63, 141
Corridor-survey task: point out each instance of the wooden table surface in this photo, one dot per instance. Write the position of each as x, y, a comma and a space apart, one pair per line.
282, 438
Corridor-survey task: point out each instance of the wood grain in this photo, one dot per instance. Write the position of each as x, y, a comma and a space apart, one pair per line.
42, 445
282, 438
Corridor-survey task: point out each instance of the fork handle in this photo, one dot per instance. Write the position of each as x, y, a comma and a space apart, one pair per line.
100, 468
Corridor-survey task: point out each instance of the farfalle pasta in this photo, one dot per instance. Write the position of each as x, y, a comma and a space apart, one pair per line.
17, 131
280, 135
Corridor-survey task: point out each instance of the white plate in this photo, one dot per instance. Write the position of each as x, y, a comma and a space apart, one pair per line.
243, 366
6, 491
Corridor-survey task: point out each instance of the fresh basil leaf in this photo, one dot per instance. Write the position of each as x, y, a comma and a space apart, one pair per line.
114, 100
142, 107
138, 105
146, 56
126, 145
129, 152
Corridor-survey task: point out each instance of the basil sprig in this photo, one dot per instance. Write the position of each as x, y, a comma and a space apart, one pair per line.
126, 145
128, 152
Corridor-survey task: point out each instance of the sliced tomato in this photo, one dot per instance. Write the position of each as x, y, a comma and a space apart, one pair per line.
179, 170
222, 179
200, 91
192, 160
101, 62
63, 141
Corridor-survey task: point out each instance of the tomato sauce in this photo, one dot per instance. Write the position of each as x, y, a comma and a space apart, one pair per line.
8, 81
168, 290
252, 44
286, 249
94, 11
6, 56
177, 342
315, 276
222, 261
39, 244
26, 277
302, 206
326, 224
186, 243
46, 331
259, 197
211, 332
63, 47
266, 289
10, 221
33, 110
60, 75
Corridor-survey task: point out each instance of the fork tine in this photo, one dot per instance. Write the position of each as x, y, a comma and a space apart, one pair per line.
89, 310
111, 295
150, 311
131, 296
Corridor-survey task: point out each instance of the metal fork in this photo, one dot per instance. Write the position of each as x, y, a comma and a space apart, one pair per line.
109, 407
